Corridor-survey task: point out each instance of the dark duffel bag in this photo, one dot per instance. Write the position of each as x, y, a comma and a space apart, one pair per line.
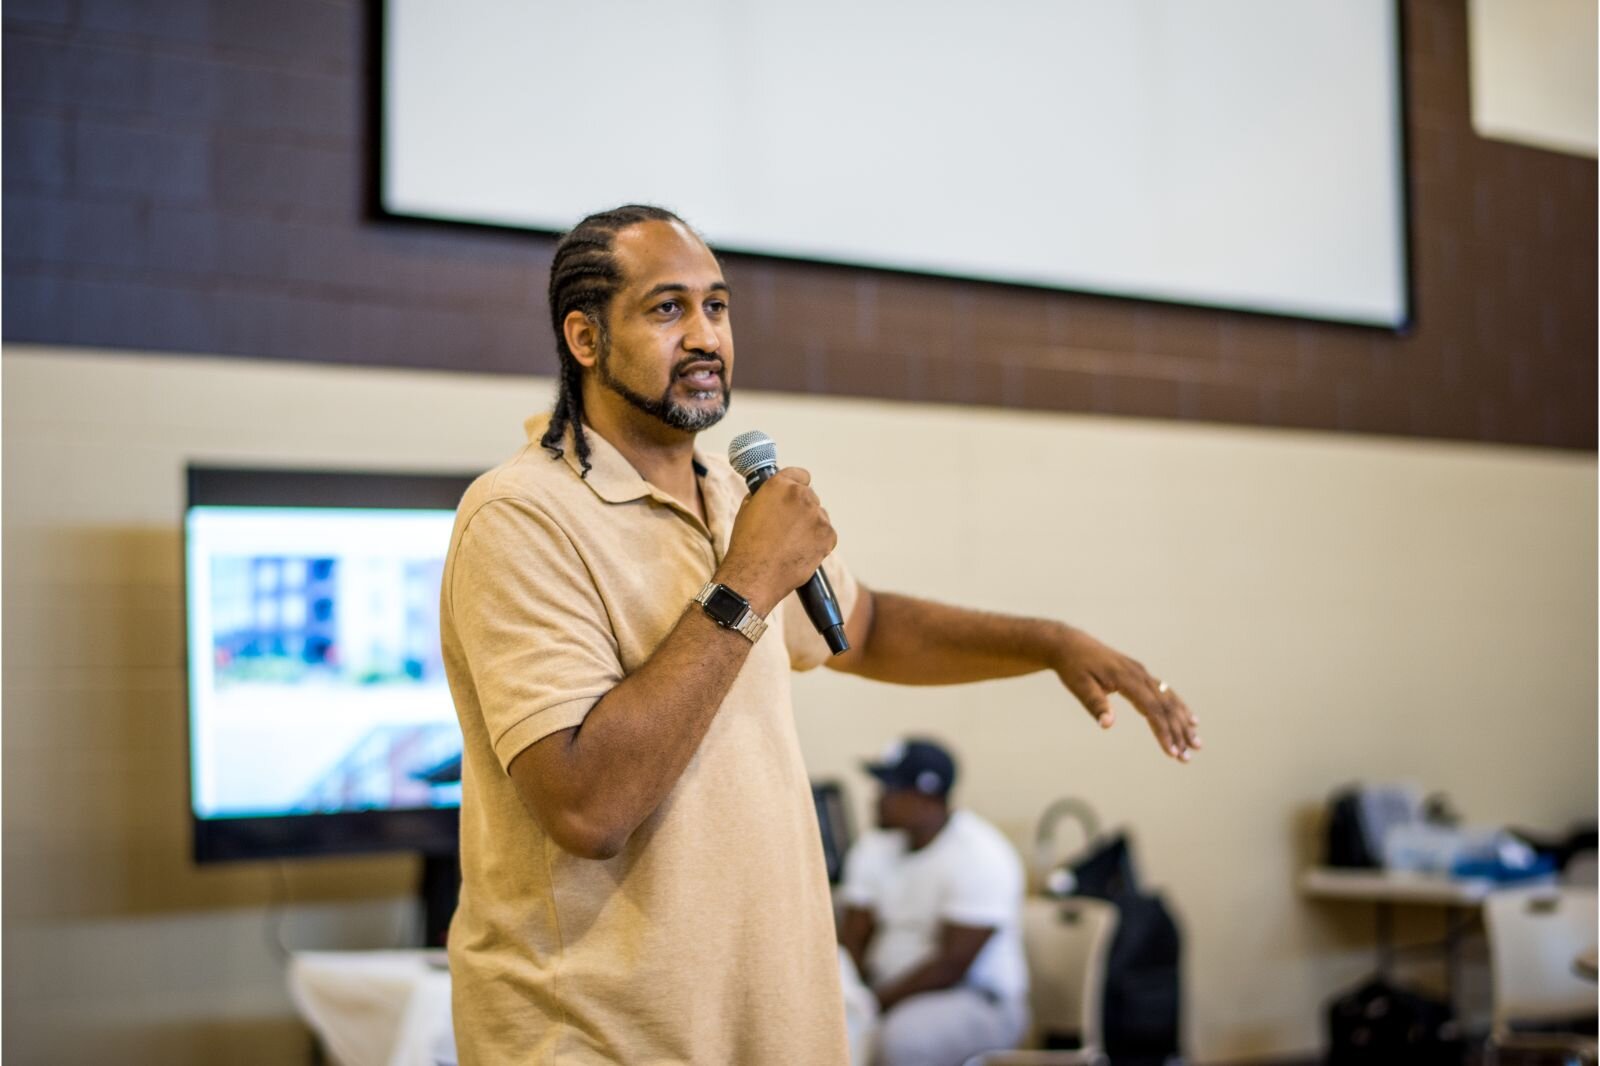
1380, 1023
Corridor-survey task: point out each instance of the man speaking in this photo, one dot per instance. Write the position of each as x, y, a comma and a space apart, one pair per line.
642, 878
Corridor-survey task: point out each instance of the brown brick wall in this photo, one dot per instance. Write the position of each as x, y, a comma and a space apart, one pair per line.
191, 176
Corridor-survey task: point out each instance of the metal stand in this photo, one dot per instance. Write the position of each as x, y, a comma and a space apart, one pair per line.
439, 889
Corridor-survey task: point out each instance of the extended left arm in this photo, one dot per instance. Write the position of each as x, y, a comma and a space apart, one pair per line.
910, 641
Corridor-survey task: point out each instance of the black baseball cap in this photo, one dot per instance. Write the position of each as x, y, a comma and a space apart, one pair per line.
916, 764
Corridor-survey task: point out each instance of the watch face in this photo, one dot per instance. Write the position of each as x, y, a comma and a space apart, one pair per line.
726, 606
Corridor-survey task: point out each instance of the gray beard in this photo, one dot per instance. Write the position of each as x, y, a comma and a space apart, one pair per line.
662, 408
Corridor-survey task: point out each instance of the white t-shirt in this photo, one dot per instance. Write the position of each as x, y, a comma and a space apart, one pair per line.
967, 875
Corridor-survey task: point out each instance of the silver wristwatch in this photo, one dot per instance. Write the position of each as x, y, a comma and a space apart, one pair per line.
731, 611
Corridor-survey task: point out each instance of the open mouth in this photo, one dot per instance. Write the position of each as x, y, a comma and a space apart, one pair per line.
705, 378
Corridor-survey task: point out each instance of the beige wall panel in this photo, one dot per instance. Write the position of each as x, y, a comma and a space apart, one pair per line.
1533, 72
1334, 609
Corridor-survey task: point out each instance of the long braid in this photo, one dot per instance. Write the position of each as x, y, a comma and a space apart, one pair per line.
583, 277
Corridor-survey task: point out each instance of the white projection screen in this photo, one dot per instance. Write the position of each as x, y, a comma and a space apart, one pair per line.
1233, 153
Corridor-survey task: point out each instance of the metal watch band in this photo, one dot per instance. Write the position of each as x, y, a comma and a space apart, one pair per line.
749, 625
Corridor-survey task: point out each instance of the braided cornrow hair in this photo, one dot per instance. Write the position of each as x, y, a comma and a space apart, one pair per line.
583, 277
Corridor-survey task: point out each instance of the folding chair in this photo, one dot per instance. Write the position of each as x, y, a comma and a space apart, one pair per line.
1068, 942
1535, 938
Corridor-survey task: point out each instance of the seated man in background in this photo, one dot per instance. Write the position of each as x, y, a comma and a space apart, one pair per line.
933, 918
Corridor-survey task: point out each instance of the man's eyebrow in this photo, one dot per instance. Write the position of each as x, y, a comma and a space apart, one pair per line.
678, 286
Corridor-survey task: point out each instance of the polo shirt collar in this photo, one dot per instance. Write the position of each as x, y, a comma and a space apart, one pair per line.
611, 476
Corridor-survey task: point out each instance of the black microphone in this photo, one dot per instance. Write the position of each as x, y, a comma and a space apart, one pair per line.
755, 457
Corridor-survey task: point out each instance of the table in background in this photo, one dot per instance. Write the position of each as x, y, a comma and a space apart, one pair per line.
376, 1008
1385, 888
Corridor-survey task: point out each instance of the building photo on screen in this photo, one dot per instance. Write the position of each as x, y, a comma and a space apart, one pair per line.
323, 690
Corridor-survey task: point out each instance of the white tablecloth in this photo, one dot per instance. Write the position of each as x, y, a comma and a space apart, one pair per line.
376, 1008
392, 1008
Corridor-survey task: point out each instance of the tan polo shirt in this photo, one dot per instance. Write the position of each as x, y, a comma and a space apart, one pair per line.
710, 938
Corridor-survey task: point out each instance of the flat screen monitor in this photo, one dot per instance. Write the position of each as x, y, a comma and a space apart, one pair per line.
320, 721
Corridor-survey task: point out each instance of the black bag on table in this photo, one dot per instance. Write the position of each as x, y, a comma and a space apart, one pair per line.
1346, 839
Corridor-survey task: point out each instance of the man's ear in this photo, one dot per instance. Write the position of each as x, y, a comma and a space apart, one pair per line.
583, 338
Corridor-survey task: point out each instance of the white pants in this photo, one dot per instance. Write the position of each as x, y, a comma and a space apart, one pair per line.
947, 1028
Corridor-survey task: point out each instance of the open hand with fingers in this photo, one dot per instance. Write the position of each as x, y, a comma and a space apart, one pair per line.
1094, 672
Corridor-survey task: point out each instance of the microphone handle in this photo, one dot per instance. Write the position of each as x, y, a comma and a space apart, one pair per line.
821, 605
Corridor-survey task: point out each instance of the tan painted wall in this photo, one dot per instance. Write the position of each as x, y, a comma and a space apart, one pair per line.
1332, 607
1532, 69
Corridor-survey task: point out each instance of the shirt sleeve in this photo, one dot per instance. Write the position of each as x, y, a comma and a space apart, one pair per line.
863, 866
806, 647
535, 634
985, 887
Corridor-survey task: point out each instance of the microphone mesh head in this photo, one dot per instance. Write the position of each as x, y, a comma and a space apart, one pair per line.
749, 452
